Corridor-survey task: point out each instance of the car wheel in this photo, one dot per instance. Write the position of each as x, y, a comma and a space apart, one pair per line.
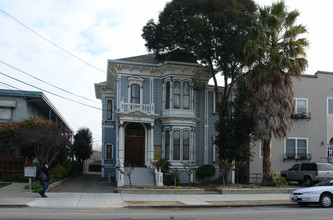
303, 204
308, 181
325, 200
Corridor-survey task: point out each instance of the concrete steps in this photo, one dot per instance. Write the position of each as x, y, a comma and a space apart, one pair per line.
141, 176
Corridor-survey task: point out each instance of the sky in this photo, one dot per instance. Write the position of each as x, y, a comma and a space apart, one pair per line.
67, 43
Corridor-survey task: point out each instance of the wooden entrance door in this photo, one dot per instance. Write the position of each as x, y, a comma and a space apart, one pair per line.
134, 145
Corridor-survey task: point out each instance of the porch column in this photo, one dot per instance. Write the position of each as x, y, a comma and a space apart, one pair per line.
121, 142
151, 145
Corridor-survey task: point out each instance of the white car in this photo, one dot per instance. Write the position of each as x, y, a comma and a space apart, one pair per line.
321, 193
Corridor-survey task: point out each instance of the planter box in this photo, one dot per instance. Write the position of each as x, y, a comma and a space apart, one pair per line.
159, 191
258, 191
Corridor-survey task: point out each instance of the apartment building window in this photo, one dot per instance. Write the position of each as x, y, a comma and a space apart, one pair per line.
5, 113
301, 106
109, 105
330, 106
135, 93
109, 152
176, 95
296, 147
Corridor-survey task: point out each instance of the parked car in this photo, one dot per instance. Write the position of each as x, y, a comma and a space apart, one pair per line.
321, 193
308, 173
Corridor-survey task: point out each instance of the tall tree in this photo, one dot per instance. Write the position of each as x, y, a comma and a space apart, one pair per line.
214, 31
82, 146
275, 51
36, 137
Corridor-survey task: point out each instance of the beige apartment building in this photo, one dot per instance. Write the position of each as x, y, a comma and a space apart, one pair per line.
311, 137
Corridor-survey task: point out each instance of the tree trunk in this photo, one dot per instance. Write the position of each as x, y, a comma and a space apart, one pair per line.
266, 164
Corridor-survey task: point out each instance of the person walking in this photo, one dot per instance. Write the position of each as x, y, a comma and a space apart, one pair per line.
44, 177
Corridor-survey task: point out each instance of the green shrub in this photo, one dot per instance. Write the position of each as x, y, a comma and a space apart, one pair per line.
278, 180
218, 181
163, 165
205, 171
59, 172
36, 187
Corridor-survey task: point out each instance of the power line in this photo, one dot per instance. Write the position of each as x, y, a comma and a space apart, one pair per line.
49, 92
47, 40
46, 82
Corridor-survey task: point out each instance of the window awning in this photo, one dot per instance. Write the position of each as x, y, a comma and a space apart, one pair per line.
8, 103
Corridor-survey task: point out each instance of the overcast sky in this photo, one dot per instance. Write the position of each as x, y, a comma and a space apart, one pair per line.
97, 30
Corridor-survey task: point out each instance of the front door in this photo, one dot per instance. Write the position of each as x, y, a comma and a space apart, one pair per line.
134, 145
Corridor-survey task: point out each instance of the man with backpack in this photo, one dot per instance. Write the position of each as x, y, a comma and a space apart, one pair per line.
44, 179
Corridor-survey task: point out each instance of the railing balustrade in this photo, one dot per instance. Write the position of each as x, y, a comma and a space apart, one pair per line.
148, 108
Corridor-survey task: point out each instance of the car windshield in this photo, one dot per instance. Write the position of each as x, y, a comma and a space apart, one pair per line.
326, 182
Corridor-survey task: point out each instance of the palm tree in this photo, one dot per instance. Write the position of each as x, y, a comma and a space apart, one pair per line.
275, 51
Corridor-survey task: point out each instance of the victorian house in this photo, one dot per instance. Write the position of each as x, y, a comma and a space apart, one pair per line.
152, 110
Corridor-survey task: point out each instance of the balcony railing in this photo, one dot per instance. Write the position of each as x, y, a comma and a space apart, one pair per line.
306, 116
128, 107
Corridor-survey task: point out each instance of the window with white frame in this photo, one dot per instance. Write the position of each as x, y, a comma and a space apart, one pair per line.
167, 95
167, 145
186, 95
330, 106
109, 106
215, 149
261, 149
135, 93
215, 107
177, 144
301, 105
109, 152
296, 147
179, 91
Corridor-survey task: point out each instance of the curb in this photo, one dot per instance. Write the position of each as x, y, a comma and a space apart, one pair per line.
210, 206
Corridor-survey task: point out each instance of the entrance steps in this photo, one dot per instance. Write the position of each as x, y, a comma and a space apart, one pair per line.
141, 176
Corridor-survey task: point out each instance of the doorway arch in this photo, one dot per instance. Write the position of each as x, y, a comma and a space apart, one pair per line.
135, 145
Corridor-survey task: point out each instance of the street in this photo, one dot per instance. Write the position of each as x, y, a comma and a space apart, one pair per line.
267, 212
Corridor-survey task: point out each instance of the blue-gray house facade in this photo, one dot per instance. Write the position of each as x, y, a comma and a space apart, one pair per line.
151, 110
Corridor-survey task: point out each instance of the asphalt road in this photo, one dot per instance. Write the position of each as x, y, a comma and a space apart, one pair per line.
86, 183
255, 213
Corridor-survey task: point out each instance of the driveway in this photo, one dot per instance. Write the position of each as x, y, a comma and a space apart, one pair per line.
87, 183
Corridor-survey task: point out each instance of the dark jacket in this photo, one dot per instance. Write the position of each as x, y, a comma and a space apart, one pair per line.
46, 171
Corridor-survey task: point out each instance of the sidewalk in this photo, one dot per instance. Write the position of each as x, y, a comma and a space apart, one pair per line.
15, 195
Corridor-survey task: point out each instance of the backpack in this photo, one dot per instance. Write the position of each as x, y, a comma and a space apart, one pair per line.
42, 176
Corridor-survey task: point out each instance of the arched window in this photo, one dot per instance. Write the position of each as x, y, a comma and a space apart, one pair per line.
176, 145
186, 145
109, 109
167, 145
109, 152
135, 93
176, 95
167, 95
186, 95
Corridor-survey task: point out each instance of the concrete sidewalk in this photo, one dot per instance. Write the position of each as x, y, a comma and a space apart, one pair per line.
15, 195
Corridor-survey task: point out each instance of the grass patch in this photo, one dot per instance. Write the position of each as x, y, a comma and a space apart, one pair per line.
4, 184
